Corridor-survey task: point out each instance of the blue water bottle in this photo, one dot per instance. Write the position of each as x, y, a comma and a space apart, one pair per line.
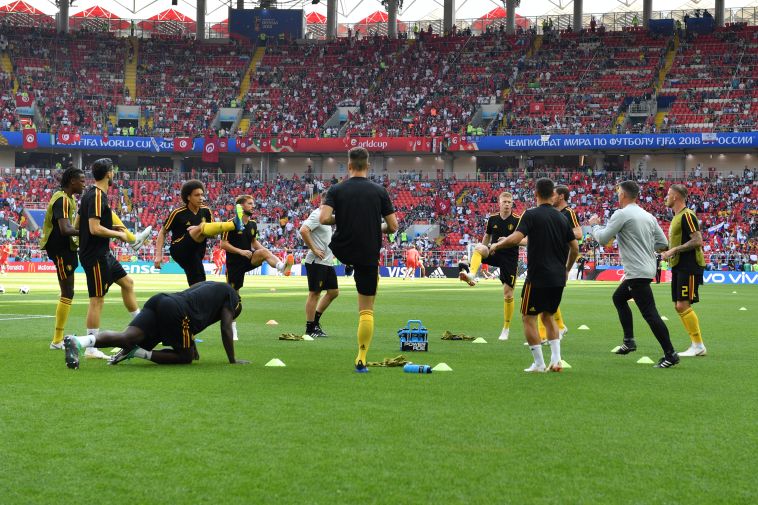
413, 368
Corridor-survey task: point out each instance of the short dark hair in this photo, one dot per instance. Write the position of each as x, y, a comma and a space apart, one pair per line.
545, 188
631, 188
358, 157
101, 167
190, 186
681, 189
563, 191
69, 175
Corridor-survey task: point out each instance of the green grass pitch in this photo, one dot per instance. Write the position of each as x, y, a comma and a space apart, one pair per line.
606, 431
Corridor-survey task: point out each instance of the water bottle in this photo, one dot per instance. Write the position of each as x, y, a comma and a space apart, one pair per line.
413, 368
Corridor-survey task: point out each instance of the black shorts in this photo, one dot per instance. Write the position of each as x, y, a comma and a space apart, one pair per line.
508, 269
191, 261
102, 274
684, 286
235, 274
65, 263
536, 300
320, 277
163, 322
366, 279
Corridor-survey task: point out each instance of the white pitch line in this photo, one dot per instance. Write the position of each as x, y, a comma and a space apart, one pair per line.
24, 317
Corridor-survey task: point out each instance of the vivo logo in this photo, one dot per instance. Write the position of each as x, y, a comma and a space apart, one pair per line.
730, 277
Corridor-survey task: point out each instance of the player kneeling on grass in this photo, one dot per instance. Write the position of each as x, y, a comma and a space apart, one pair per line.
319, 266
171, 319
245, 253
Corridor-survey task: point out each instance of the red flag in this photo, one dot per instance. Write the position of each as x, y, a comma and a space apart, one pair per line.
182, 144
105, 137
266, 145
210, 150
536, 107
223, 145
455, 143
30, 138
242, 143
441, 206
23, 100
64, 135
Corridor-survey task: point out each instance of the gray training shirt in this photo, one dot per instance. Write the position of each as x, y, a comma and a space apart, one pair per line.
638, 235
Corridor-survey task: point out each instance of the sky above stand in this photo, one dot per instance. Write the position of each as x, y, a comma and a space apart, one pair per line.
355, 10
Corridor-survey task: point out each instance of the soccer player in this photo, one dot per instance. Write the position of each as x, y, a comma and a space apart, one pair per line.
357, 206
421, 266
412, 261
319, 267
687, 265
5, 252
551, 253
560, 202
219, 258
58, 232
96, 229
245, 253
171, 319
190, 226
639, 236
499, 225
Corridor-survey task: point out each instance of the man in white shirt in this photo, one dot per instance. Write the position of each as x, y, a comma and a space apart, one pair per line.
319, 267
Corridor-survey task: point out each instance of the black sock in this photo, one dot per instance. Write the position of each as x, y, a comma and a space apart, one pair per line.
318, 317
310, 326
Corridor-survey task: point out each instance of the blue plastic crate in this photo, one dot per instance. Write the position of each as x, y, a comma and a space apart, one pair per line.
414, 336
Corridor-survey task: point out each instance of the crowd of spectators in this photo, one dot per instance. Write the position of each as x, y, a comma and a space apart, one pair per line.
560, 82
713, 82
725, 205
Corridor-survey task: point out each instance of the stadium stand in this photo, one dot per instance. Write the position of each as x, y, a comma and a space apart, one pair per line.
560, 82
724, 204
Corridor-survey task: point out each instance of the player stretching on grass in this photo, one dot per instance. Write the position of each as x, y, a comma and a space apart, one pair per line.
245, 253
97, 227
499, 225
357, 207
551, 253
190, 226
171, 319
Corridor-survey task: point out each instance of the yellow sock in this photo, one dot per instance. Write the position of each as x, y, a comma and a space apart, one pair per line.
508, 307
476, 262
365, 334
61, 316
559, 319
117, 222
217, 228
541, 329
692, 325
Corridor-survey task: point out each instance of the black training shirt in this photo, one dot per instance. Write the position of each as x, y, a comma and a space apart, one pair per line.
546, 254
241, 240
498, 227
359, 206
94, 204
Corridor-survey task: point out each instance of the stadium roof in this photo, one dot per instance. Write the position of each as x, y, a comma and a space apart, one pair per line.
351, 11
